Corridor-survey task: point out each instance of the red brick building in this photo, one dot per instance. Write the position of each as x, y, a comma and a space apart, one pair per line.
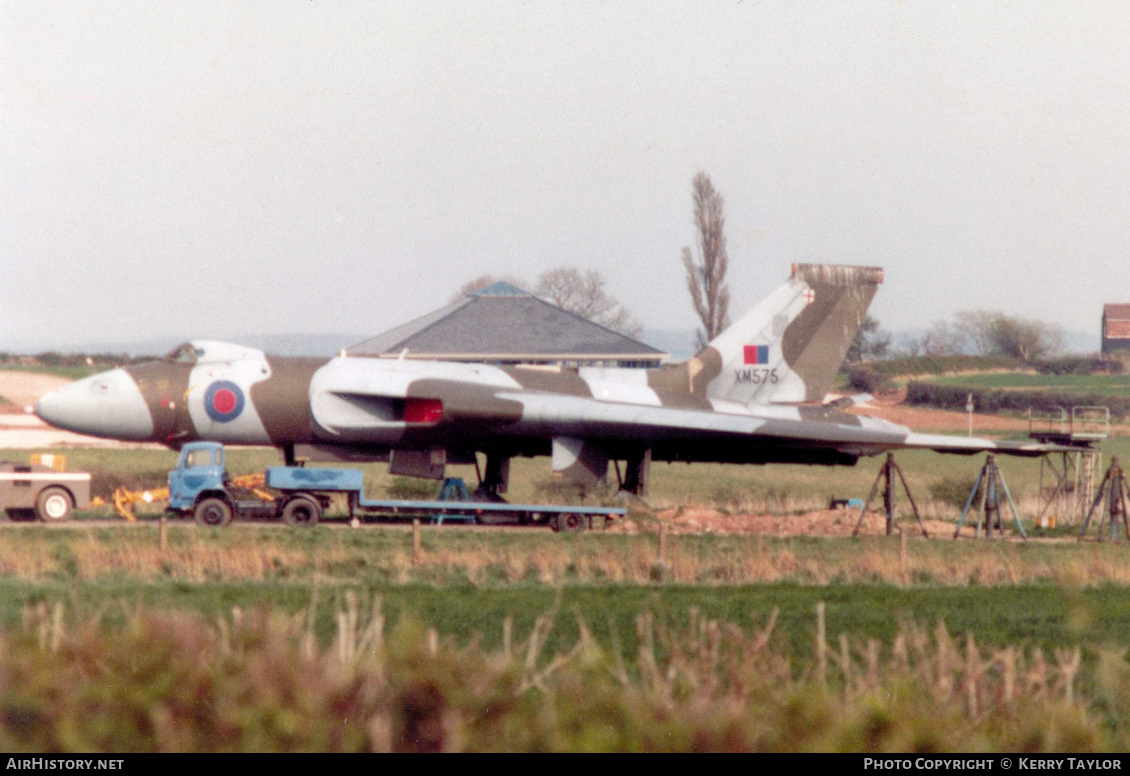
1116, 328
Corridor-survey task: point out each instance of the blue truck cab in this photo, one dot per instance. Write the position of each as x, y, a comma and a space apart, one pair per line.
199, 484
200, 469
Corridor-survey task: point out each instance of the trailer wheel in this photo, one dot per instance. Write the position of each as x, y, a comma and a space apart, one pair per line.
302, 512
571, 523
53, 505
213, 512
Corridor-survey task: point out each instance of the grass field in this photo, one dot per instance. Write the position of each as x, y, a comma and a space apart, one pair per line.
72, 372
1025, 381
263, 639
466, 581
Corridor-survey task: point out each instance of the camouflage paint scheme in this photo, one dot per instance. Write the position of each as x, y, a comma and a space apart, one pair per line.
751, 396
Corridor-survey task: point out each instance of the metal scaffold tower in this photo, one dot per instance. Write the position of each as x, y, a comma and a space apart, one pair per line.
1067, 479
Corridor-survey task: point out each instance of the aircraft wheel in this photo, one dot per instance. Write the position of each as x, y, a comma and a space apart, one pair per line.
571, 523
302, 512
213, 512
53, 505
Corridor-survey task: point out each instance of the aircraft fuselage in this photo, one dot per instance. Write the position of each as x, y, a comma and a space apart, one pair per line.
240, 396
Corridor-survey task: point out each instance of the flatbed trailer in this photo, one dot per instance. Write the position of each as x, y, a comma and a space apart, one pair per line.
558, 518
200, 486
302, 482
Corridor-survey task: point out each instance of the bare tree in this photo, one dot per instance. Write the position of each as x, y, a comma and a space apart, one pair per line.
972, 328
481, 282
582, 292
946, 339
987, 333
909, 346
706, 273
941, 339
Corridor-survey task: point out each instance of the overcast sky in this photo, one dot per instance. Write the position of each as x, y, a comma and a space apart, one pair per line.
222, 168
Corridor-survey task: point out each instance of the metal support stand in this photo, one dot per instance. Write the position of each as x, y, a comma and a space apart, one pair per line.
991, 484
496, 480
453, 489
1113, 492
638, 473
886, 476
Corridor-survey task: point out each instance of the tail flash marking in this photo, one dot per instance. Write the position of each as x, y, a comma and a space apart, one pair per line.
755, 354
789, 347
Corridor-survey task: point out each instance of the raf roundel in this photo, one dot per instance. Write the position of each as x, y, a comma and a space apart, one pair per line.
223, 401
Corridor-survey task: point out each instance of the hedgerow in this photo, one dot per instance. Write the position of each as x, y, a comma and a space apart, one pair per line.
875, 376
989, 401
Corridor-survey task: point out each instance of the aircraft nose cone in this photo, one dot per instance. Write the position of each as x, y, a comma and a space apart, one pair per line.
107, 405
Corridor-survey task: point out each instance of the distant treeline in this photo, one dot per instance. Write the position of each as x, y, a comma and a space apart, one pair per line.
53, 359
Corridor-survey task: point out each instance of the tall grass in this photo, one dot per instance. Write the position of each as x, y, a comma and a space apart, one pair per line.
252, 681
481, 557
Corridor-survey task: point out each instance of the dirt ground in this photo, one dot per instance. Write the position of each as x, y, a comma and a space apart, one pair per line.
890, 407
825, 522
24, 388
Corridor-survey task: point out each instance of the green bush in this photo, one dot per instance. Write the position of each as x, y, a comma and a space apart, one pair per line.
413, 488
868, 380
953, 491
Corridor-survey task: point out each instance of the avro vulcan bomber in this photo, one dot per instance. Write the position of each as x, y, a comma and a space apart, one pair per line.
755, 394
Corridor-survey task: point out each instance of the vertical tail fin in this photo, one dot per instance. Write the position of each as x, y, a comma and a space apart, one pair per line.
789, 347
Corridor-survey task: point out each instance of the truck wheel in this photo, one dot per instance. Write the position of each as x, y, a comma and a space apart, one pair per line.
213, 512
571, 523
302, 512
53, 505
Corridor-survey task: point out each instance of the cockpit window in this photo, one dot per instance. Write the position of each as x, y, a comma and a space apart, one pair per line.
185, 354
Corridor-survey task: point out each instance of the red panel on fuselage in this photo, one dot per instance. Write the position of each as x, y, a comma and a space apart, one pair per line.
423, 411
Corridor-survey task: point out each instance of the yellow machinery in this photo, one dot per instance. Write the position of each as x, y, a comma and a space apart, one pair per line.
50, 460
124, 499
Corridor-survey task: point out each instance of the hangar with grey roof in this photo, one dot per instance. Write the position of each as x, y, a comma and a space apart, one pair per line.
503, 324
